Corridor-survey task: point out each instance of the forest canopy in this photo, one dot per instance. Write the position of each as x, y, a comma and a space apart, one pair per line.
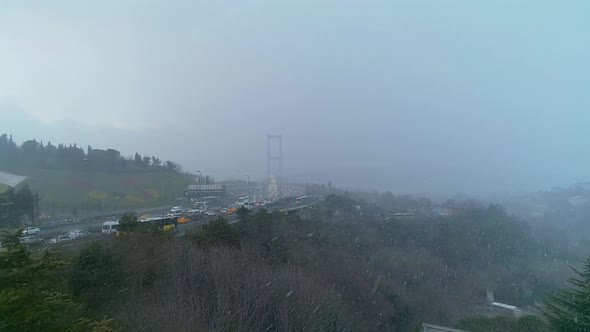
36, 154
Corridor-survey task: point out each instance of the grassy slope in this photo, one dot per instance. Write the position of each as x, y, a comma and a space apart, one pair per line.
3, 187
65, 191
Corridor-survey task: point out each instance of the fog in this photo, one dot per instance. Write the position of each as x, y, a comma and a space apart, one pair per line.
416, 96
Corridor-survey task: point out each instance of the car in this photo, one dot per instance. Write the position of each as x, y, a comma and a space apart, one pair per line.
223, 210
59, 238
176, 210
31, 230
77, 233
194, 212
210, 213
30, 240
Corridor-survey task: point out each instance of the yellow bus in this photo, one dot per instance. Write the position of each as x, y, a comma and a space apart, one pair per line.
164, 223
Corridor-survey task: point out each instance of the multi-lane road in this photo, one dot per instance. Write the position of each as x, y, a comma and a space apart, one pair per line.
93, 225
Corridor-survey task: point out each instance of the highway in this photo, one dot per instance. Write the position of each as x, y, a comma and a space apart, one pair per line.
93, 225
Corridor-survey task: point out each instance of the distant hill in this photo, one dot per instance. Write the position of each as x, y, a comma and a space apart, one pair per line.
79, 192
74, 181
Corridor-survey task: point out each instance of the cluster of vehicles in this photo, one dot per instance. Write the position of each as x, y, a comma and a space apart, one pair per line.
165, 223
251, 203
198, 209
30, 235
176, 215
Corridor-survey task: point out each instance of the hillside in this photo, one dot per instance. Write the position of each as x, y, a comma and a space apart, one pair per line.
72, 181
77, 192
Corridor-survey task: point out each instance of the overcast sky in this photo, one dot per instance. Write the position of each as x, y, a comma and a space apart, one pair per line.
408, 96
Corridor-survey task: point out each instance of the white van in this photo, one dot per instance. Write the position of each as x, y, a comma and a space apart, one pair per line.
109, 227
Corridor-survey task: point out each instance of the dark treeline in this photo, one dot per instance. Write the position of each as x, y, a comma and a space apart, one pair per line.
386, 200
557, 243
389, 202
17, 206
34, 154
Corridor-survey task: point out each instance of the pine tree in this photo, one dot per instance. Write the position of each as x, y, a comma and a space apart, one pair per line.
9, 214
569, 310
24, 201
29, 300
138, 159
95, 274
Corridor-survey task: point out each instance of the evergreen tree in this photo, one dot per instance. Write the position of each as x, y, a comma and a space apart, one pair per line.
24, 201
146, 161
28, 299
569, 310
155, 162
8, 211
138, 159
94, 276
128, 222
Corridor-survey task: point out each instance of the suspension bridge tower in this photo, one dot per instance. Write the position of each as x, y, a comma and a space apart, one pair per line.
274, 144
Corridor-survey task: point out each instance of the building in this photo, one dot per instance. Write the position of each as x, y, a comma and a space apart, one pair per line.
205, 190
235, 188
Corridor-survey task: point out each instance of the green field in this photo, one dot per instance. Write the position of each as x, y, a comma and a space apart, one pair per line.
3, 187
79, 192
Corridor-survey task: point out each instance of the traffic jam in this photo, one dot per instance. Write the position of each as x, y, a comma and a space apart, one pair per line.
199, 211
